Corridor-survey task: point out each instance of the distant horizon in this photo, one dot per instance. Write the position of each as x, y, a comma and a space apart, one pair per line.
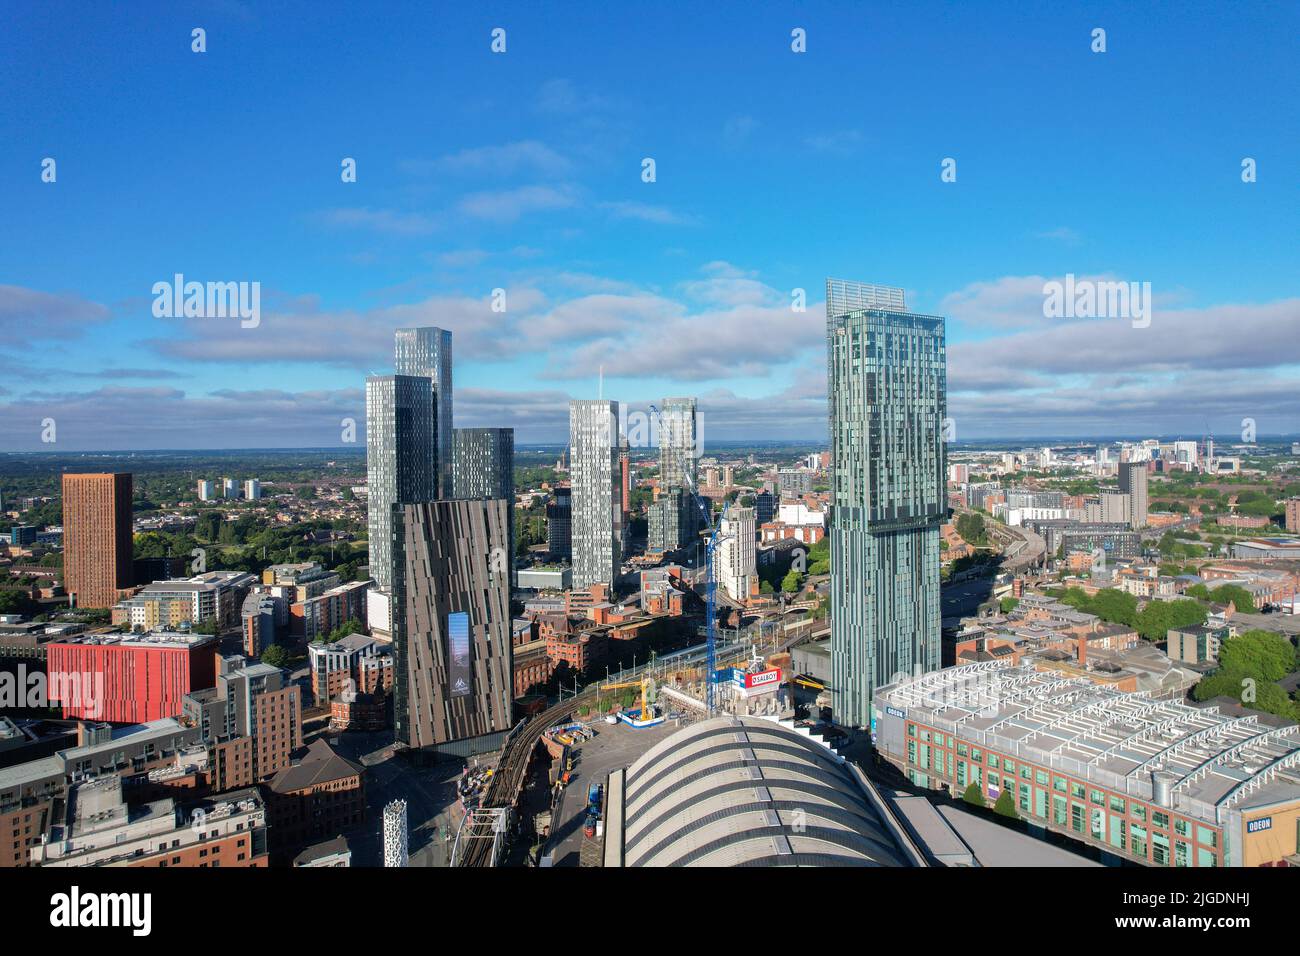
973, 444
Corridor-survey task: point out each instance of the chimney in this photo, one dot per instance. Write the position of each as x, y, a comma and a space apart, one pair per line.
1081, 649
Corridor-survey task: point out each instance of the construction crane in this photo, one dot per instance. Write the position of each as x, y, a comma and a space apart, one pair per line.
646, 683
710, 582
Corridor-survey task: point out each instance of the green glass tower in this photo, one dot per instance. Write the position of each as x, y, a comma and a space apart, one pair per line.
887, 392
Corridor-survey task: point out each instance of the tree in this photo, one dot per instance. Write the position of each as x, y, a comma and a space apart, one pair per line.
1258, 652
791, 582
973, 795
1008, 604
306, 493
276, 656
971, 528
1156, 619
1115, 606
1235, 593
1006, 806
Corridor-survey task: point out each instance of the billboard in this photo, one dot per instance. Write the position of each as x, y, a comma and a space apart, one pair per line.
458, 673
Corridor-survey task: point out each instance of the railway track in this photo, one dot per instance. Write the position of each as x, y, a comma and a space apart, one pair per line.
512, 770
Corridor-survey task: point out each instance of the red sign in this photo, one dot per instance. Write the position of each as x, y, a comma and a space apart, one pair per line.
763, 678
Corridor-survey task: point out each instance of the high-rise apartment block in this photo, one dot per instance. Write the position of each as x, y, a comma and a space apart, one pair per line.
401, 456
451, 624
887, 393
1116, 507
596, 494
737, 553
1133, 482
97, 540
678, 438
559, 523
484, 467
426, 352
484, 463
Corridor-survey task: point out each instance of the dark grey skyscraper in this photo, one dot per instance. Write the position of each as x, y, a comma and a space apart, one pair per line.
484, 467
426, 351
401, 426
559, 524
887, 391
453, 666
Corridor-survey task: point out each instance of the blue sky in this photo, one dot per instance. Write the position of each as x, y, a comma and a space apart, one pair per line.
522, 171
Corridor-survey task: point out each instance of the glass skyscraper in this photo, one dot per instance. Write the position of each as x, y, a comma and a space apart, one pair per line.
596, 492
401, 425
484, 467
887, 392
426, 352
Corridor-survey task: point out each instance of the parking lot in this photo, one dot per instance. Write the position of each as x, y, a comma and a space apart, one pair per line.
615, 745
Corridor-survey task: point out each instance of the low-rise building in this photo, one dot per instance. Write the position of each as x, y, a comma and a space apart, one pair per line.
102, 829
1156, 782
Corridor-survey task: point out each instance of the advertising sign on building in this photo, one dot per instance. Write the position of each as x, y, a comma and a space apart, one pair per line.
458, 672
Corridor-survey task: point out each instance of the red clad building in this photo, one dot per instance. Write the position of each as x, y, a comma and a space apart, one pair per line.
128, 678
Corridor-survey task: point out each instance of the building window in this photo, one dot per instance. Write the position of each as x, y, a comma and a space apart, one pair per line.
1139, 835
1160, 849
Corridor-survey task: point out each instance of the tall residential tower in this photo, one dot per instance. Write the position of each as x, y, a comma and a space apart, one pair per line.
596, 492
887, 392
426, 352
97, 539
401, 425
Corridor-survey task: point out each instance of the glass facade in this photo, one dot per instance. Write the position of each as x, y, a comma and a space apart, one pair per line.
887, 393
426, 352
401, 429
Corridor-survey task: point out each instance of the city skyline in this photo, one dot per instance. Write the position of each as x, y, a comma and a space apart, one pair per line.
683, 284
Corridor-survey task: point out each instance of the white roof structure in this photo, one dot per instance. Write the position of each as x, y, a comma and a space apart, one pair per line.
744, 791
1211, 761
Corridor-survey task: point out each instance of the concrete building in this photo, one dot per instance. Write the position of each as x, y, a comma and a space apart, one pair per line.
97, 538
887, 393
426, 353
102, 829
1115, 508
1133, 482
596, 496
793, 482
164, 605
1293, 514
737, 554
451, 627
252, 489
401, 457
206, 489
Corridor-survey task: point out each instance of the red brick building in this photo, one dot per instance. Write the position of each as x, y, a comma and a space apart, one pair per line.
97, 540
